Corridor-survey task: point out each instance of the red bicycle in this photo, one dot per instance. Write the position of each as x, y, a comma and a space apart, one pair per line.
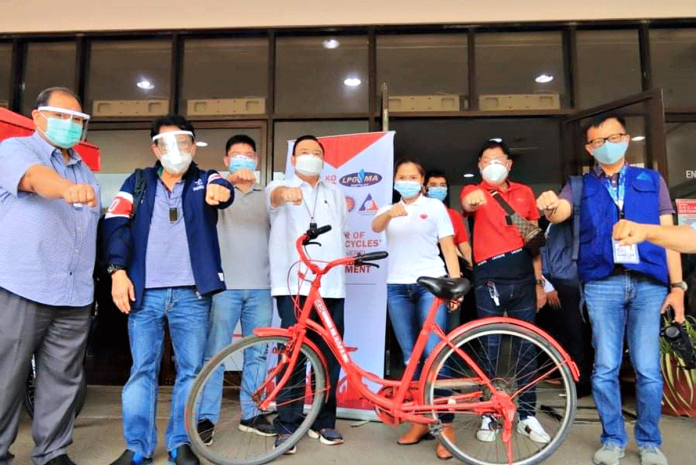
474, 373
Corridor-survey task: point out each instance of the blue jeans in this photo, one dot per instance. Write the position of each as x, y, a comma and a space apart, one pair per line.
254, 307
187, 315
627, 304
517, 301
408, 306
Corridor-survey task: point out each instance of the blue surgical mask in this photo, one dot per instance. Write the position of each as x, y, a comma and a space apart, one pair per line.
408, 189
63, 133
242, 163
437, 192
610, 152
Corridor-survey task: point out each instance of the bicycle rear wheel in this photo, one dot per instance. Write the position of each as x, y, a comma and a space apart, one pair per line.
524, 365
232, 385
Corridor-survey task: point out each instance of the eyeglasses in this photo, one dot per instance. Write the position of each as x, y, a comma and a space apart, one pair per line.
55, 114
614, 138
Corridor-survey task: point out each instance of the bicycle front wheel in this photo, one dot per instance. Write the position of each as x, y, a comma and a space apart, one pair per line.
520, 363
228, 393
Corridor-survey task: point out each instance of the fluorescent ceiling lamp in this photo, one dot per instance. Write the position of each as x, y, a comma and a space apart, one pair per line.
145, 84
543, 78
331, 43
496, 139
200, 143
638, 138
469, 175
352, 82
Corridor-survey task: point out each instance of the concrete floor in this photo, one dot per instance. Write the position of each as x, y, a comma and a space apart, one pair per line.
99, 439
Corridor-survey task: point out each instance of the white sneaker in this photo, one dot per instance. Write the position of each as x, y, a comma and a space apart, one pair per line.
486, 432
531, 427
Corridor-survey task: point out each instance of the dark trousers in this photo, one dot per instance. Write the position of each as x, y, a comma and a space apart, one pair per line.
516, 301
291, 400
57, 335
566, 325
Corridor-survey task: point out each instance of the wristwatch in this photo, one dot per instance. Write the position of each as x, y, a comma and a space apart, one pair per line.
111, 269
680, 285
541, 282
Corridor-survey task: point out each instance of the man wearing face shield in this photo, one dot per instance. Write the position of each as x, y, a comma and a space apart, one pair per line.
294, 204
49, 205
243, 230
625, 285
507, 278
163, 256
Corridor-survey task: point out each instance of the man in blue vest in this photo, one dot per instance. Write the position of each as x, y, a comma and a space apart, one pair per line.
625, 286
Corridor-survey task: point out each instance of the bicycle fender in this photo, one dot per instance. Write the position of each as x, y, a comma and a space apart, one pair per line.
286, 332
574, 370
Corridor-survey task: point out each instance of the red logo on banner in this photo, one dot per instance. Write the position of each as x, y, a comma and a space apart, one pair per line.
424, 216
340, 149
350, 203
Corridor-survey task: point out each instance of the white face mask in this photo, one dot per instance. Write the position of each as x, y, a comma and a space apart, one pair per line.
309, 165
495, 172
176, 162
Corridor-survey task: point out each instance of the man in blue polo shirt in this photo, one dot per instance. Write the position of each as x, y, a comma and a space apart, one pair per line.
164, 259
49, 205
625, 286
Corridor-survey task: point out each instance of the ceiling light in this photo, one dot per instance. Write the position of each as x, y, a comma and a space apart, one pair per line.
145, 84
496, 139
331, 43
352, 82
469, 175
543, 78
638, 138
200, 143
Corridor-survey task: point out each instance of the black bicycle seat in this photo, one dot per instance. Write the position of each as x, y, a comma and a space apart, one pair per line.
446, 288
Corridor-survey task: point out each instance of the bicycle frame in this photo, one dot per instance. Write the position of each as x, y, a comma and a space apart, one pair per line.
397, 406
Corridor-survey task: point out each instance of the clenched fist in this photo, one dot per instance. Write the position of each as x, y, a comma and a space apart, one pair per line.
548, 201
474, 200
241, 176
216, 194
80, 194
397, 210
628, 232
292, 195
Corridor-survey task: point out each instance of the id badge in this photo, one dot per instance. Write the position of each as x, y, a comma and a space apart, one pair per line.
625, 253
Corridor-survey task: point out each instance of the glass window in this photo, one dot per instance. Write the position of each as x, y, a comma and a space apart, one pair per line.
133, 75
321, 75
49, 64
608, 66
673, 56
423, 65
681, 166
291, 130
516, 65
222, 70
5, 72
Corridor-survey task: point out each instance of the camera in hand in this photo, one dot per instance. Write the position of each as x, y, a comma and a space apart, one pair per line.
678, 339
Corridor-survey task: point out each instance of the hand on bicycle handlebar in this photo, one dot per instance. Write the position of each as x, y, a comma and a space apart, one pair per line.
453, 305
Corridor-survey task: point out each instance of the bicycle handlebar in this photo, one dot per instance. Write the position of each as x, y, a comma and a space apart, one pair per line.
312, 233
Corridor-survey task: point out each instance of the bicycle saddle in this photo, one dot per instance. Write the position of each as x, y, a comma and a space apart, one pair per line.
446, 288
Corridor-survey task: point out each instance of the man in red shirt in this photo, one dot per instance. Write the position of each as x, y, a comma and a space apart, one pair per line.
507, 279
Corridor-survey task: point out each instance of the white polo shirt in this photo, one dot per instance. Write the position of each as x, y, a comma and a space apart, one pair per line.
290, 221
412, 241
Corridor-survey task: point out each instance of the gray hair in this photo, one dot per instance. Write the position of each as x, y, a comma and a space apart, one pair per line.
45, 95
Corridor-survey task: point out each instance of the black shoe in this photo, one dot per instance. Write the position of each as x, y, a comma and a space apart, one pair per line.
183, 455
257, 425
206, 429
61, 460
280, 439
131, 458
327, 436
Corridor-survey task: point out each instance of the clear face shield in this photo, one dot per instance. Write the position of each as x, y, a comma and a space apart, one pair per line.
64, 128
175, 150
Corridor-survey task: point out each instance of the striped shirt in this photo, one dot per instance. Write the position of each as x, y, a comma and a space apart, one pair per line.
47, 247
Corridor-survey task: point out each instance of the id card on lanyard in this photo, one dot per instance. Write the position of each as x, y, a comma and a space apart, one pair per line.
622, 253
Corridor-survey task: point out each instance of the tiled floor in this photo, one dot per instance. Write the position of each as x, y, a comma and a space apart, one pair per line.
99, 440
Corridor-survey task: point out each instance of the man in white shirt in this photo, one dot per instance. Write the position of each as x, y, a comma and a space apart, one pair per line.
294, 204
